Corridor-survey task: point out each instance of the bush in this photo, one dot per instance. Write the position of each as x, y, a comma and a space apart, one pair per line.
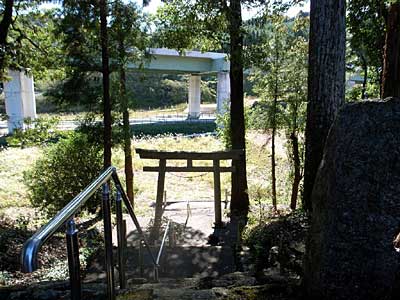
282, 240
37, 132
65, 169
224, 129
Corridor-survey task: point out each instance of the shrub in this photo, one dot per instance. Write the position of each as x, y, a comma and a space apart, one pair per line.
37, 132
224, 129
282, 240
65, 169
224, 126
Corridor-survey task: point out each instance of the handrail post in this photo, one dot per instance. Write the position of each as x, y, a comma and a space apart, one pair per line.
108, 242
156, 275
217, 194
121, 231
73, 260
141, 263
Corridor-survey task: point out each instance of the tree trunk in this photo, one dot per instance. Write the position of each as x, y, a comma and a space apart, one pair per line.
106, 84
274, 106
126, 126
4, 27
391, 64
240, 198
297, 169
365, 79
273, 167
326, 82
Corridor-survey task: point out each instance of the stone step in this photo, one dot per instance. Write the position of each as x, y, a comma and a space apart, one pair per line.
184, 262
176, 262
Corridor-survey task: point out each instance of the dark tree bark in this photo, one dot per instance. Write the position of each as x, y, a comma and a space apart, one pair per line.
297, 169
273, 165
125, 117
106, 83
391, 64
326, 82
4, 28
240, 198
274, 106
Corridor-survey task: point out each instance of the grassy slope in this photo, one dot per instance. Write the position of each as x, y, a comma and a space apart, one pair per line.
14, 161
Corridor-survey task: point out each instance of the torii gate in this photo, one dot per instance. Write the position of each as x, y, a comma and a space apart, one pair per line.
20, 96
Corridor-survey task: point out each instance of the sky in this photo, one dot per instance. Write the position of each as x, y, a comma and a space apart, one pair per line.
247, 14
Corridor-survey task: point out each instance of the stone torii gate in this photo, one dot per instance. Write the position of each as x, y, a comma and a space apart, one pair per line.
20, 96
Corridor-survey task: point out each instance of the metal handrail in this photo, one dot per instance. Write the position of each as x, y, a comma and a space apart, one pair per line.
163, 243
160, 251
32, 245
66, 217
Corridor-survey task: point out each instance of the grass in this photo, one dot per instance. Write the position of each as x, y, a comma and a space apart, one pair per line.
155, 129
15, 206
180, 186
13, 162
137, 114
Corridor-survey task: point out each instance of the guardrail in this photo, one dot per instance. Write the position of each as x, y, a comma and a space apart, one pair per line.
66, 217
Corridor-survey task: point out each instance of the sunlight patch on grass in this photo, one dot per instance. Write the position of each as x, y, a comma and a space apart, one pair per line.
13, 162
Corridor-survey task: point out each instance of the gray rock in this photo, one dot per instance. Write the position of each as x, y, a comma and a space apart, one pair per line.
234, 279
356, 206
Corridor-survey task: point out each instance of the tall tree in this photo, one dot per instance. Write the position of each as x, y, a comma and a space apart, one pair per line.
391, 67
240, 197
366, 27
278, 57
106, 83
130, 42
326, 82
196, 22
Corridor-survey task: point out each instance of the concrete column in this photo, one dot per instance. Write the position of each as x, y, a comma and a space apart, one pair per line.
20, 99
223, 92
194, 96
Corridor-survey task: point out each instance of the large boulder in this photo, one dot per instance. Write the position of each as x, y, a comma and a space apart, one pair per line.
356, 206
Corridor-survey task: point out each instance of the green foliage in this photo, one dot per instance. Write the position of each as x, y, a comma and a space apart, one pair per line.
30, 43
38, 131
280, 60
78, 26
366, 27
224, 128
185, 24
144, 91
64, 170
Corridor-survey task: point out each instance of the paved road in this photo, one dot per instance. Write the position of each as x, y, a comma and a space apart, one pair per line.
71, 125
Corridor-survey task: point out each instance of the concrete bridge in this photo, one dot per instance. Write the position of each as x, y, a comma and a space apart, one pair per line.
20, 95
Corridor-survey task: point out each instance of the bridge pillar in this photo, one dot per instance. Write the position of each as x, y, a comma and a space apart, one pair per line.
223, 92
194, 96
20, 99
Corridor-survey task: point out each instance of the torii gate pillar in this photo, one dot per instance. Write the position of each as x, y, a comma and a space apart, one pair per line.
223, 92
194, 96
20, 99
